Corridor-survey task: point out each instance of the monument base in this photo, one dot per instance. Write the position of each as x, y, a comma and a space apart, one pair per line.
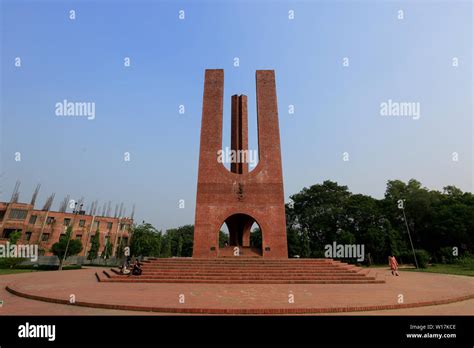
248, 270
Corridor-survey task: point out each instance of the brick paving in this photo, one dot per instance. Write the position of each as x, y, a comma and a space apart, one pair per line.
418, 289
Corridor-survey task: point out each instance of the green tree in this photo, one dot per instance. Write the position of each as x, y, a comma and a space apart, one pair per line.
306, 246
59, 248
294, 242
180, 246
12, 262
167, 252
452, 224
256, 238
146, 240
181, 240
223, 238
14, 237
318, 214
435, 219
108, 249
95, 246
121, 248
328, 212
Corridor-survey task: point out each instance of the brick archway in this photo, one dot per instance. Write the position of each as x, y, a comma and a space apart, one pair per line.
240, 227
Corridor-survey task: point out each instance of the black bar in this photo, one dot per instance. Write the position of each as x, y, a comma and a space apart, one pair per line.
227, 330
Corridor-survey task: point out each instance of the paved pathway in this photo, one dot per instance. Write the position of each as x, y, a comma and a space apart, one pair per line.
415, 288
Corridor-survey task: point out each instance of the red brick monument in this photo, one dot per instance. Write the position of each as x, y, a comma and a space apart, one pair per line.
239, 197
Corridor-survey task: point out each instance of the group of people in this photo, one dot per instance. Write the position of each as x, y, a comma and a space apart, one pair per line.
131, 269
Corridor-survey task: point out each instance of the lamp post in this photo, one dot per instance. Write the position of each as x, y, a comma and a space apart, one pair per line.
409, 236
75, 212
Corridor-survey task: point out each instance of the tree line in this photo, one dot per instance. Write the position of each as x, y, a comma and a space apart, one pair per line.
441, 224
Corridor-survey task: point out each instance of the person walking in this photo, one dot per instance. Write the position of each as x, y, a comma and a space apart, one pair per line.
392, 262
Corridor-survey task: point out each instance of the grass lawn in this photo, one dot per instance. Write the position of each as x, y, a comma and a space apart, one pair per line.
13, 271
459, 269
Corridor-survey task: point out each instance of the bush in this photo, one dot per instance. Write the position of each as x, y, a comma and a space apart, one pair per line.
466, 260
422, 256
446, 254
48, 267
11, 262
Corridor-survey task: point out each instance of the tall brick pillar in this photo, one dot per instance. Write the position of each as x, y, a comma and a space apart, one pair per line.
239, 197
239, 132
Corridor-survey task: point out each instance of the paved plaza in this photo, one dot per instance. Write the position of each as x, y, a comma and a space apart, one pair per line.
50, 293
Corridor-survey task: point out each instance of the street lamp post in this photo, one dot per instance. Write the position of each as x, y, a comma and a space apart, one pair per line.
75, 212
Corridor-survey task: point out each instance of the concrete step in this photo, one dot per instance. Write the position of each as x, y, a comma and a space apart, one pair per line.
133, 279
249, 266
185, 272
237, 260
250, 269
192, 278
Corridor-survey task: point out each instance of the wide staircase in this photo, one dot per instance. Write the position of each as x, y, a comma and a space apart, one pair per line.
245, 270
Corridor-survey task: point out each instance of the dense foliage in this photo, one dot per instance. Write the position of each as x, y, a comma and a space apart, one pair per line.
95, 245
328, 212
74, 246
148, 241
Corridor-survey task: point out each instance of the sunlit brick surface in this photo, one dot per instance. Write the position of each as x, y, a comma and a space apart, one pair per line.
418, 289
257, 194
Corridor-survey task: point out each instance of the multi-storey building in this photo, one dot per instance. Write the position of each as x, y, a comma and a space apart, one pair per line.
44, 227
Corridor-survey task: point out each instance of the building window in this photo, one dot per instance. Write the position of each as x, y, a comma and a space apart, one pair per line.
18, 214
8, 231
50, 220
67, 221
45, 237
33, 219
28, 235
82, 223
2, 214
109, 225
96, 225
79, 236
121, 226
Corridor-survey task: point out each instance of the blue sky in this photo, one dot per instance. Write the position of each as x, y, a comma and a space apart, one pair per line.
337, 108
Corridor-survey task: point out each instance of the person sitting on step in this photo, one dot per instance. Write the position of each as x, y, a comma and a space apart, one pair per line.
137, 268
